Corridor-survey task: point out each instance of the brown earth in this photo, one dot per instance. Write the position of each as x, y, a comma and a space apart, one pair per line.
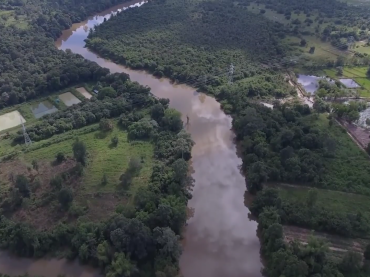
42, 210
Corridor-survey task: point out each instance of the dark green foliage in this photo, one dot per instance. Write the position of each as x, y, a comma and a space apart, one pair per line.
56, 182
105, 125
186, 46
65, 197
312, 216
60, 157
31, 65
79, 151
298, 260
22, 184
367, 252
114, 141
132, 171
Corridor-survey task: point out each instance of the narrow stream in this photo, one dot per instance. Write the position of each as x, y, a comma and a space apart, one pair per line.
220, 239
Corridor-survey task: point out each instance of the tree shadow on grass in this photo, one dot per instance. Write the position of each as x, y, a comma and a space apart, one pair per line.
101, 135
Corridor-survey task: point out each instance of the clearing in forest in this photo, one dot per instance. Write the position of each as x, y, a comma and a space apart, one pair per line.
69, 99
10, 120
84, 92
332, 200
94, 195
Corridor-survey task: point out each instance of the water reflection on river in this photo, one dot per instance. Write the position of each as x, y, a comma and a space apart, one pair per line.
220, 239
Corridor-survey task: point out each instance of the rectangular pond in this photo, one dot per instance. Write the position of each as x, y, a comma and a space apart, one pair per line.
84, 92
69, 99
43, 108
311, 83
349, 83
10, 120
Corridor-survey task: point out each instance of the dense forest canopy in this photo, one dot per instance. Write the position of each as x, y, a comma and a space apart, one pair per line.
196, 41
334, 21
30, 64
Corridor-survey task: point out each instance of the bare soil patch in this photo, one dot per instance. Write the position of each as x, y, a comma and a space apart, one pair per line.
41, 210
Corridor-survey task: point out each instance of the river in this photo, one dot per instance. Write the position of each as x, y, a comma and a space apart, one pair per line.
220, 239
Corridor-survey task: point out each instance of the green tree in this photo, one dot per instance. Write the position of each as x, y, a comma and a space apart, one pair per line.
351, 263
35, 165
79, 151
22, 185
105, 125
172, 120
65, 198
107, 92
121, 266
102, 253
114, 141
56, 182
60, 157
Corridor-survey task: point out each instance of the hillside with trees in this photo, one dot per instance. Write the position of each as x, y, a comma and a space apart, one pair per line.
196, 43
30, 65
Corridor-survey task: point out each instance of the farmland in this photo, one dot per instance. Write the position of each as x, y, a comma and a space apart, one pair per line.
32, 110
358, 74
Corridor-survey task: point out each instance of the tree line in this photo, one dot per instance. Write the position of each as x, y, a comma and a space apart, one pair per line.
294, 259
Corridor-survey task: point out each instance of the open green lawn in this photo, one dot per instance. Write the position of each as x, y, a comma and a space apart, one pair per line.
323, 50
355, 72
103, 158
362, 48
364, 82
333, 200
349, 168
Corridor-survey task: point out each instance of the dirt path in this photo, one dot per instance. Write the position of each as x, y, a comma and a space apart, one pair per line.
301, 94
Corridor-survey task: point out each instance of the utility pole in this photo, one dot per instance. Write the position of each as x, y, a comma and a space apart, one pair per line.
231, 73
27, 139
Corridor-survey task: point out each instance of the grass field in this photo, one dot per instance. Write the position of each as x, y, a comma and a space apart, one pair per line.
349, 168
103, 157
356, 73
93, 199
362, 48
332, 200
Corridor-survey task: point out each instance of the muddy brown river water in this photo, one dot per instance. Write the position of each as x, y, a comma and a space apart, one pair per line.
220, 239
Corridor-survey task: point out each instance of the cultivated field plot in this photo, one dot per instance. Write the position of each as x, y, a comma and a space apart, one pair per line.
84, 92
10, 120
358, 74
69, 99
338, 245
332, 200
43, 108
